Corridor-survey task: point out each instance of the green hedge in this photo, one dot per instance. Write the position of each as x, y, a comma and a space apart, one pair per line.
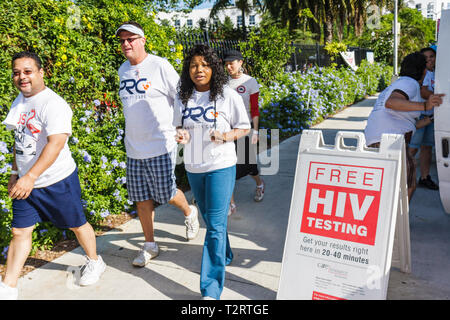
80, 57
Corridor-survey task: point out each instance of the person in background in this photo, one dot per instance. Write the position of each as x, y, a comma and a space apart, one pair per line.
398, 108
248, 89
209, 117
44, 181
423, 138
147, 91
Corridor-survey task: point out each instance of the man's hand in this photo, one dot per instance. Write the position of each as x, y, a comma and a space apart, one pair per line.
434, 100
12, 181
22, 188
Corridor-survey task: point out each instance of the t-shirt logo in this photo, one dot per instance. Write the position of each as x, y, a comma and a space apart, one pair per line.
134, 87
25, 120
199, 112
241, 89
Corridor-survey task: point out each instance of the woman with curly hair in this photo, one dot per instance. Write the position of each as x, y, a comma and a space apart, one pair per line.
209, 116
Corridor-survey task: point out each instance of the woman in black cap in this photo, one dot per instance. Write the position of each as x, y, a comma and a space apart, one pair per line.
248, 89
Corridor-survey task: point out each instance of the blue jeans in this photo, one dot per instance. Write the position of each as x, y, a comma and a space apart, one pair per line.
213, 191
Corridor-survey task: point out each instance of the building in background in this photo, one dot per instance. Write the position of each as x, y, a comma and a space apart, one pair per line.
191, 20
430, 9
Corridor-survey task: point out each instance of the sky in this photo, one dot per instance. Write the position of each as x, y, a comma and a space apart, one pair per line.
205, 5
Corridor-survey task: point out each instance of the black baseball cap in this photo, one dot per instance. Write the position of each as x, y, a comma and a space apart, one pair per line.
232, 55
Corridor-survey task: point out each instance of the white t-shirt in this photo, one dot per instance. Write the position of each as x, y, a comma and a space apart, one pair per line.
245, 86
33, 120
384, 120
147, 91
429, 82
200, 153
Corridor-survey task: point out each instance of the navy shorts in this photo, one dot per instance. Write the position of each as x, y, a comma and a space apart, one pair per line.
59, 203
152, 179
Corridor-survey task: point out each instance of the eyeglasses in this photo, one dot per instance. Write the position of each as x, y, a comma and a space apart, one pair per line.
130, 40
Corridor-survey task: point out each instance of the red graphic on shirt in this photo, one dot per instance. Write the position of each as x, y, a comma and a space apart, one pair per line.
25, 120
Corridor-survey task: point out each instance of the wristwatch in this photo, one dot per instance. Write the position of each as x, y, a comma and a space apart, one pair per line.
14, 172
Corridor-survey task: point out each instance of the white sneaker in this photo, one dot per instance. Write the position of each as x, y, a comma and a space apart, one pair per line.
192, 224
8, 293
145, 255
259, 193
232, 210
91, 271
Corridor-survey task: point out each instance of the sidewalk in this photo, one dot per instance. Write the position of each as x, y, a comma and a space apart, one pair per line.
257, 235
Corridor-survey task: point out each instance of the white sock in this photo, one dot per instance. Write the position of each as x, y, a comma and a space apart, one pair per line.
191, 216
150, 245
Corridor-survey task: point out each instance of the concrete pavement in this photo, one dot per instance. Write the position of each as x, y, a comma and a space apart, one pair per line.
257, 235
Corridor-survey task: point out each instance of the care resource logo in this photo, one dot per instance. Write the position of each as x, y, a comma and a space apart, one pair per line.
132, 86
342, 202
199, 113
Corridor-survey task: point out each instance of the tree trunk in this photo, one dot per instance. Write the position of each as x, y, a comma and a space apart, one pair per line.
328, 27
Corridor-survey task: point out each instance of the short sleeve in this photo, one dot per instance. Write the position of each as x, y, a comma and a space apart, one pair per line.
171, 79
239, 117
409, 86
57, 117
177, 113
254, 88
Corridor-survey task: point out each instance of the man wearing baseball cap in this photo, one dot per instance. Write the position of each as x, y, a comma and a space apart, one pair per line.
147, 90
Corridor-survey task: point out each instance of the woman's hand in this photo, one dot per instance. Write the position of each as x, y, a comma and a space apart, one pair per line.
255, 136
182, 136
217, 136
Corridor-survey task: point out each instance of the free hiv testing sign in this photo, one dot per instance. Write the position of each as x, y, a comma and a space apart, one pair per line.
341, 226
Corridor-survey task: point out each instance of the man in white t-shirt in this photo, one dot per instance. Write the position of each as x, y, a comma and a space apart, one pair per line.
44, 181
423, 138
398, 108
148, 86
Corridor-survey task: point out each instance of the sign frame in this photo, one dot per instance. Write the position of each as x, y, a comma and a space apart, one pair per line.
305, 273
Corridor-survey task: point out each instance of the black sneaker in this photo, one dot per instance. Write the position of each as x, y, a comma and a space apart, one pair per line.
428, 183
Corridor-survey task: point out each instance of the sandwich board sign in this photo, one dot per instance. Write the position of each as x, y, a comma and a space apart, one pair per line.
349, 205
442, 113
349, 58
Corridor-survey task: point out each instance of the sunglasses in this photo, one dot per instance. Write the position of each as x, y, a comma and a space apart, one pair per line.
129, 40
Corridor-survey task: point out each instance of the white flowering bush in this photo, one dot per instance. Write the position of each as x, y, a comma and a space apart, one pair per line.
294, 101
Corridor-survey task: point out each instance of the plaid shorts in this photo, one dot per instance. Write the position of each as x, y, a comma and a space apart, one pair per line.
152, 179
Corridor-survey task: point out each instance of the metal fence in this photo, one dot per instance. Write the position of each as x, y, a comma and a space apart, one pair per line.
304, 55
220, 46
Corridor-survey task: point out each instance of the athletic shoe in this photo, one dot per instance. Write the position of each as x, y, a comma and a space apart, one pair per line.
8, 293
208, 298
428, 183
232, 210
192, 224
259, 193
92, 271
145, 255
